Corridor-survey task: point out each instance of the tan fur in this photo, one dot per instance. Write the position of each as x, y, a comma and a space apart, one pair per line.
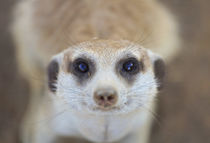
43, 28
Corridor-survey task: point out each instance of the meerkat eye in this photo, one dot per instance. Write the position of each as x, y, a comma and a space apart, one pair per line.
82, 67
130, 66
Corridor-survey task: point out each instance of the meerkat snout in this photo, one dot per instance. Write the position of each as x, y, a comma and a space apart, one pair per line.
105, 98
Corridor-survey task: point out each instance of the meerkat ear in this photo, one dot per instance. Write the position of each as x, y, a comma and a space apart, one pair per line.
52, 71
159, 69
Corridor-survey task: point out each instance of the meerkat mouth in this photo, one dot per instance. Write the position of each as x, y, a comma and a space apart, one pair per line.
108, 109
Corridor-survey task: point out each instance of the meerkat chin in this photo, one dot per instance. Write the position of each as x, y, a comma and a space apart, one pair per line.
100, 89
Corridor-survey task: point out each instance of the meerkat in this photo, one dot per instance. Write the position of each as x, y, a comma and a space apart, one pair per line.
94, 67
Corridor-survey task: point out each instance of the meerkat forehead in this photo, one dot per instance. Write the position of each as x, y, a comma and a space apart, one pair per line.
106, 51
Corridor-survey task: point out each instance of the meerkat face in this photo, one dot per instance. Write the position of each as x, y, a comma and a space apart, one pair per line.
103, 76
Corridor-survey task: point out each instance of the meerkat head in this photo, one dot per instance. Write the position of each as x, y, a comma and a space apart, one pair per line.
103, 76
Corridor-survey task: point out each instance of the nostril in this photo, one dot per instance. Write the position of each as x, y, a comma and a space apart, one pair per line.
111, 97
101, 98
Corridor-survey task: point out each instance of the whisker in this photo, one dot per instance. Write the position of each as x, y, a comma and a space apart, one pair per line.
154, 115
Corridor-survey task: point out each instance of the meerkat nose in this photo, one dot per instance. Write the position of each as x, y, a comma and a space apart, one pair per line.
105, 98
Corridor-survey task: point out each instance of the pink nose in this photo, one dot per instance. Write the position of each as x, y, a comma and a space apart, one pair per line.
105, 98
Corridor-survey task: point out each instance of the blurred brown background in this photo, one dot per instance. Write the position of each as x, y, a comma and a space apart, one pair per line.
184, 105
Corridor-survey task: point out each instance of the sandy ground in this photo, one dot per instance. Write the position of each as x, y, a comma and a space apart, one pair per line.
184, 105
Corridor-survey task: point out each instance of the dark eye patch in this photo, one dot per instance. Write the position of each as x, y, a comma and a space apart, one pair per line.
128, 68
82, 68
